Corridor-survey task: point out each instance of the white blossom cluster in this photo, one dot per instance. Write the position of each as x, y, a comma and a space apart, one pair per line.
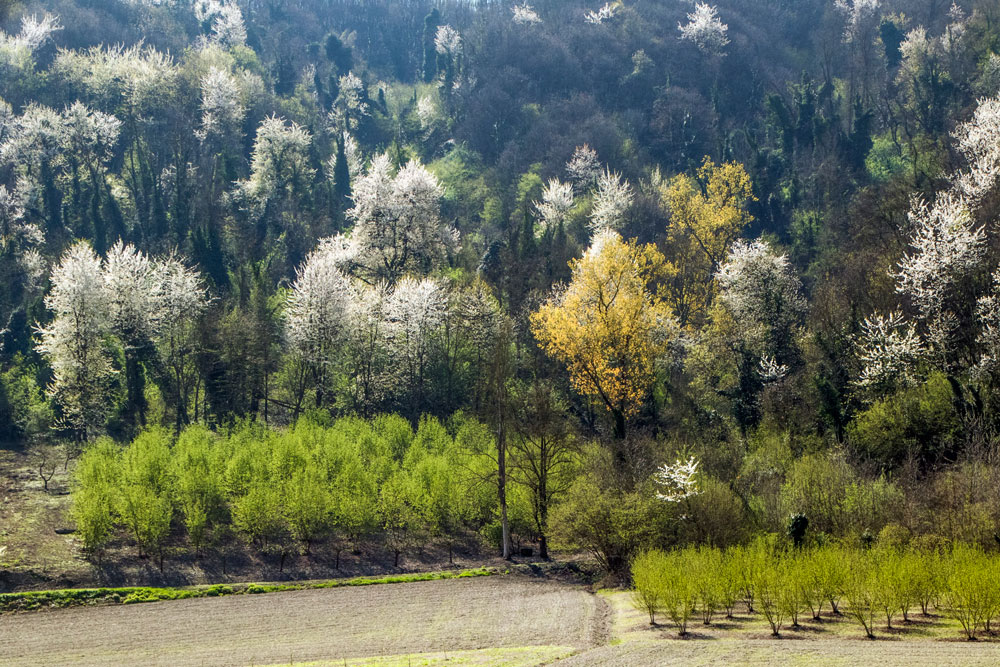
889, 349
612, 199
705, 29
583, 168
135, 75
128, 295
397, 224
979, 141
16, 51
225, 19
350, 105
448, 41
860, 16
386, 333
557, 200
605, 13
946, 246
761, 291
280, 159
678, 480
222, 106
525, 15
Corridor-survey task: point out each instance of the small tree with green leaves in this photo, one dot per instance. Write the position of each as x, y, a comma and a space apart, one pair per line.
861, 592
97, 476
648, 571
680, 595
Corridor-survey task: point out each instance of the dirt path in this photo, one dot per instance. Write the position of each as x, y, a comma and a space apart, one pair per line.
797, 652
300, 626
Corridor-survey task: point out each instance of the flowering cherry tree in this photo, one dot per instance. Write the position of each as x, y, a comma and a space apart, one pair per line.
397, 223
705, 29
678, 480
557, 200
946, 248
889, 349
612, 199
74, 341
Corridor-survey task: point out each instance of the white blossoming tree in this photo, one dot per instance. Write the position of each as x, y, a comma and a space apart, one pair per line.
612, 198
705, 29
397, 223
525, 15
222, 103
889, 350
557, 200
74, 342
677, 481
583, 168
607, 12
317, 315
414, 314
947, 247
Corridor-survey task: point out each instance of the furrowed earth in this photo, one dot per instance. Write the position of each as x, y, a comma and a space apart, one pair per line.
512, 620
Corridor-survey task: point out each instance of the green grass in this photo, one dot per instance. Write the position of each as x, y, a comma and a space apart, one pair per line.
70, 597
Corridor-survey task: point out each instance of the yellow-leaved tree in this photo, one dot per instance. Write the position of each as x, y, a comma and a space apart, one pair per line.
708, 212
610, 324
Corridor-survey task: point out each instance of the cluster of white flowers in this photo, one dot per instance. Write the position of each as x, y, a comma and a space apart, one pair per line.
761, 291
557, 200
583, 168
678, 480
318, 306
525, 14
397, 223
979, 141
280, 158
946, 246
128, 295
385, 332
611, 200
447, 41
222, 104
605, 13
427, 112
16, 51
770, 371
705, 29
225, 19
136, 75
350, 105
889, 349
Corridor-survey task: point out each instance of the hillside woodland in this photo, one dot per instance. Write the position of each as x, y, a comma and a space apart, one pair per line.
300, 274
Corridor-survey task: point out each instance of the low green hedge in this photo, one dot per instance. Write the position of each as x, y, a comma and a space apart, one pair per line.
70, 597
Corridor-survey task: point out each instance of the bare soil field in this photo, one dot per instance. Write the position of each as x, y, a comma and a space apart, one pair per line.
512, 620
313, 625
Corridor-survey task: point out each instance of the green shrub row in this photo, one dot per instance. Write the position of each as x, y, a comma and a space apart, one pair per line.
282, 491
783, 585
32, 600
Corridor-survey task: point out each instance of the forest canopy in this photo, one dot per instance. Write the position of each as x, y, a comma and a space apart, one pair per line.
747, 249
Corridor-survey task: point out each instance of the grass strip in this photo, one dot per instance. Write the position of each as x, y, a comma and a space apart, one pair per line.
71, 597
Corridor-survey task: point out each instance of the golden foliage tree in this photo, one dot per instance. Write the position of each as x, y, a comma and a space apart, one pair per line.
610, 324
707, 214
